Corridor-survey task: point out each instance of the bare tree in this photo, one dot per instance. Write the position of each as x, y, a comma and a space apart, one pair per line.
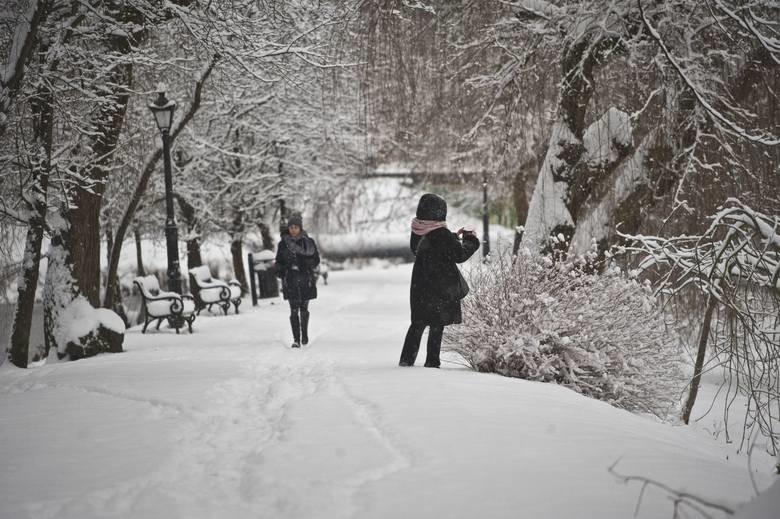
735, 265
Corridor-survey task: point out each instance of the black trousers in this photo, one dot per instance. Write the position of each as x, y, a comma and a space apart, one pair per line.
299, 320
412, 344
295, 306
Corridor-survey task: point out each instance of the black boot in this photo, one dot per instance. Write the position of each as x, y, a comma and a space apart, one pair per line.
411, 344
295, 322
304, 327
434, 346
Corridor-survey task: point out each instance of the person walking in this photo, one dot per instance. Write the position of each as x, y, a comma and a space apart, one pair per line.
297, 258
437, 284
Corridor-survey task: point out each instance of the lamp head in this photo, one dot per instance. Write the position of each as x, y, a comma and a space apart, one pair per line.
163, 109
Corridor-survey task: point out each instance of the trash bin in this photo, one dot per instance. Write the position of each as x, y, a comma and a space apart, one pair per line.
263, 282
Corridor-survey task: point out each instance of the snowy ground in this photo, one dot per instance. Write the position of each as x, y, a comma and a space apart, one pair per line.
230, 422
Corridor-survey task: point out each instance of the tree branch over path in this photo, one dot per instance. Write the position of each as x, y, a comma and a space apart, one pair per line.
149, 168
727, 124
13, 75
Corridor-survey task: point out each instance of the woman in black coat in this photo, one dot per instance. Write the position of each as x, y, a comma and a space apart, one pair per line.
436, 288
296, 260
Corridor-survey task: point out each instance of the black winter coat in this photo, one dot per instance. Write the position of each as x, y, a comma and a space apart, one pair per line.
296, 259
435, 275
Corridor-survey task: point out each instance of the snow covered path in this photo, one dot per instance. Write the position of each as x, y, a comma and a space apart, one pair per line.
230, 422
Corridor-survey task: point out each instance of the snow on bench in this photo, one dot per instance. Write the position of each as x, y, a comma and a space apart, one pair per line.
208, 291
158, 304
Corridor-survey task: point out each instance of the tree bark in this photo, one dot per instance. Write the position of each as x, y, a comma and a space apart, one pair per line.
265, 235
118, 308
20, 335
549, 211
43, 124
237, 250
75, 247
81, 240
194, 258
520, 202
189, 216
654, 168
138, 255
58, 292
619, 202
519, 196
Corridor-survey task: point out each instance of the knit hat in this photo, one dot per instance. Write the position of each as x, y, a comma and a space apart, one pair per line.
432, 207
295, 219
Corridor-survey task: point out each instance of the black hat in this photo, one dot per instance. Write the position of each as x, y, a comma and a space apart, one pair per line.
432, 207
295, 219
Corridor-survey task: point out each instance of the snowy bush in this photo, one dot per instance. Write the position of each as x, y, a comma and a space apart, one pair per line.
598, 334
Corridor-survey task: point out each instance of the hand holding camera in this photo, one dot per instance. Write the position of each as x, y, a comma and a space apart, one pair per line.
466, 231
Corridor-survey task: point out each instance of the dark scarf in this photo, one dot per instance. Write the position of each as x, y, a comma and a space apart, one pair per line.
301, 246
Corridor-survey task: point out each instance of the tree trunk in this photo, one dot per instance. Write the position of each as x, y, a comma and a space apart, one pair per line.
118, 308
520, 202
620, 202
135, 200
82, 241
43, 124
549, 212
58, 293
194, 258
237, 251
655, 167
20, 335
74, 254
189, 216
139, 266
138, 256
265, 235
704, 335
518, 195
74, 265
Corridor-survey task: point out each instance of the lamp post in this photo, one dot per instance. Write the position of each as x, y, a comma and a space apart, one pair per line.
485, 218
163, 109
279, 151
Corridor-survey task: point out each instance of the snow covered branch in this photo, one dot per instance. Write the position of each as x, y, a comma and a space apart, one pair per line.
722, 120
22, 45
735, 265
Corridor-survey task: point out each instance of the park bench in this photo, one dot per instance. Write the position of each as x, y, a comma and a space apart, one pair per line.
158, 304
208, 291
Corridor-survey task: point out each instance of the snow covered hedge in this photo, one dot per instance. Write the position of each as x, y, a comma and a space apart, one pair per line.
598, 334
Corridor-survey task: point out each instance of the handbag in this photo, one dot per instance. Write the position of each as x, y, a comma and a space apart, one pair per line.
450, 292
463, 286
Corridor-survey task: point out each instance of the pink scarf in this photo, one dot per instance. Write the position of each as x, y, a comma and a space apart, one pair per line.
423, 227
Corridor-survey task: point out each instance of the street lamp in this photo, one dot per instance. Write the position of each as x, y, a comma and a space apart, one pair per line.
163, 109
485, 218
280, 151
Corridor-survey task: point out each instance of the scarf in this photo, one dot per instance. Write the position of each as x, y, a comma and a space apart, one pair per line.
423, 227
301, 246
